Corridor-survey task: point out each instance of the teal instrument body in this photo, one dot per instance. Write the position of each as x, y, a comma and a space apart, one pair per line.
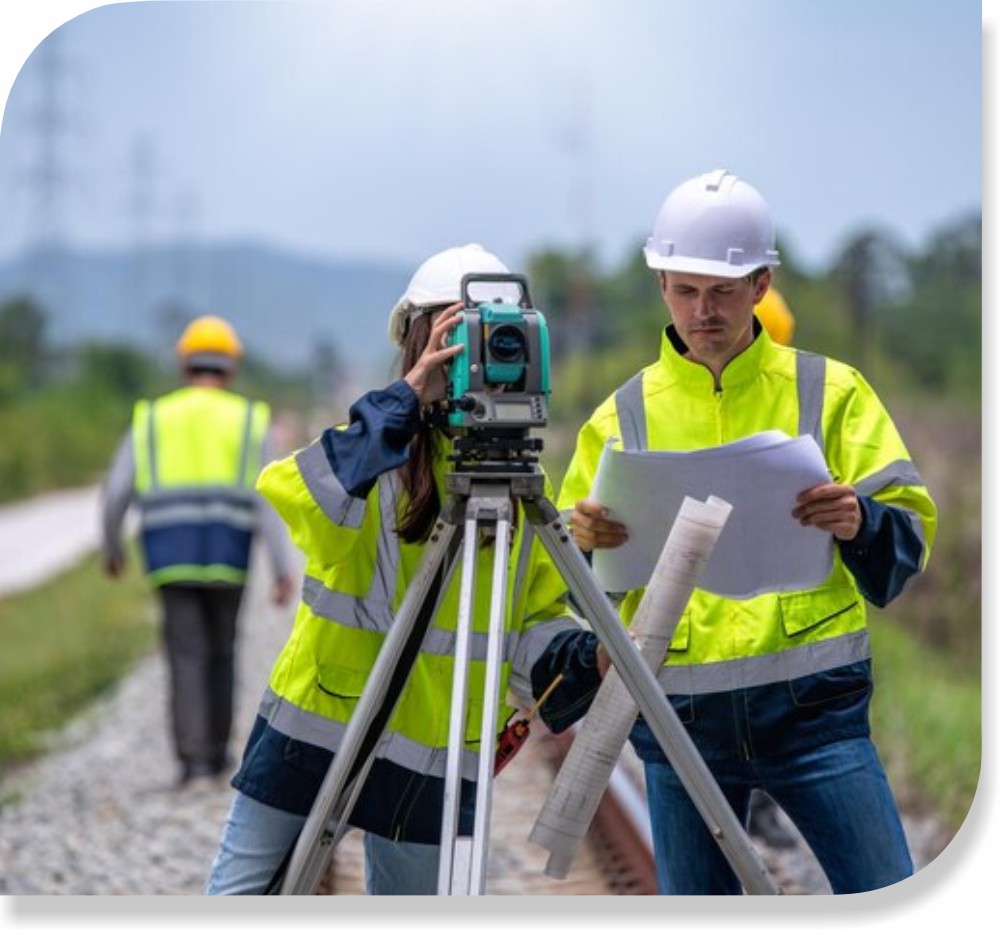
501, 378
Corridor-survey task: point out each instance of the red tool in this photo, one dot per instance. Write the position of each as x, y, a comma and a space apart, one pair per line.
516, 734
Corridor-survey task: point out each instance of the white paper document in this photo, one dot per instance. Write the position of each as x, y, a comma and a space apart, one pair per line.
762, 549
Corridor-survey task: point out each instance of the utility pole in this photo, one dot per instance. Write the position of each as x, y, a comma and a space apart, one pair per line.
47, 175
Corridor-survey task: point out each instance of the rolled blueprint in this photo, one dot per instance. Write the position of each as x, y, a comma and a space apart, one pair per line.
583, 777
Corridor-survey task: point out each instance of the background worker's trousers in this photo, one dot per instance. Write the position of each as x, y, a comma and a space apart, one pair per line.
199, 636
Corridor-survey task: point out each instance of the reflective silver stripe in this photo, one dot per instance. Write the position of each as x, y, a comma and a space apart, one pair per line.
631, 412
241, 472
154, 477
383, 584
901, 473
326, 489
898, 474
751, 671
373, 611
244, 497
318, 730
440, 642
366, 613
362, 613
238, 515
810, 379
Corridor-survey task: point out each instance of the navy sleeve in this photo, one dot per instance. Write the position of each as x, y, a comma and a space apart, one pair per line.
574, 654
382, 424
884, 554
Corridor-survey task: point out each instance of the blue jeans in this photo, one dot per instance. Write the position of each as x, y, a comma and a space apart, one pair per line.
836, 794
257, 837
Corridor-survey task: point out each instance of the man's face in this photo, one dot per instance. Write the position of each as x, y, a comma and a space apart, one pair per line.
714, 316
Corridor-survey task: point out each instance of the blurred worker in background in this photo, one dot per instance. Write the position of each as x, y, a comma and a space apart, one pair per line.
361, 502
190, 461
776, 316
774, 690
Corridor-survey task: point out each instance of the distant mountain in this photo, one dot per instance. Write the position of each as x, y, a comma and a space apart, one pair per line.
284, 305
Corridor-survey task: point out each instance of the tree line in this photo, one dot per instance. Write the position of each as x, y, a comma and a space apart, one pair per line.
909, 319
63, 410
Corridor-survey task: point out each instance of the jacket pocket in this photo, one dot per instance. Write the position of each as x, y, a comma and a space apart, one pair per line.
341, 681
846, 684
802, 612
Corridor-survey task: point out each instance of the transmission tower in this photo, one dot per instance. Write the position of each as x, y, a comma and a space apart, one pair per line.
48, 177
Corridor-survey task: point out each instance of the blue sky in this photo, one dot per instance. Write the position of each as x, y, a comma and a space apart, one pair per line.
386, 129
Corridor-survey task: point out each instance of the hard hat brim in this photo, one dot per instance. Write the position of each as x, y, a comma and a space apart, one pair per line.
702, 266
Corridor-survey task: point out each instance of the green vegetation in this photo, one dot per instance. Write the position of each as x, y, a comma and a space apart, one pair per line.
927, 720
911, 321
63, 412
65, 644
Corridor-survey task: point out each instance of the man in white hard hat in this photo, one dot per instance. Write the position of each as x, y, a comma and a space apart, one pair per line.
774, 690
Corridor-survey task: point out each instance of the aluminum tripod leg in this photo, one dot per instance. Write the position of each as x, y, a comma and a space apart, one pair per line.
326, 821
463, 860
657, 711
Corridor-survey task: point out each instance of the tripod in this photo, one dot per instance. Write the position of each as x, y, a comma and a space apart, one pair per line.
484, 496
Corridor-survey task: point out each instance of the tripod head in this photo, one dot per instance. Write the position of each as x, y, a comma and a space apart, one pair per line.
490, 451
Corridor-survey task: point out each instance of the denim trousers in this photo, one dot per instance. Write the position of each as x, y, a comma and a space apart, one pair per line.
256, 838
836, 794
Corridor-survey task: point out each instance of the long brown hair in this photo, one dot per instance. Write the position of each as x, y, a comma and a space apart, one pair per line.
417, 474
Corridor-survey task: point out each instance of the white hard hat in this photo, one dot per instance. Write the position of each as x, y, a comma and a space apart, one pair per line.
438, 281
714, 224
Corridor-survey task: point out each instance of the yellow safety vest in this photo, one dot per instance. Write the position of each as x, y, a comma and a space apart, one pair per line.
356, 575
672, 404
197, 454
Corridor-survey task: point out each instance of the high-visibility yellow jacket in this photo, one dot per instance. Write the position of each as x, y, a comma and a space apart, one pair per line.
341, 498
197, 454
672, 405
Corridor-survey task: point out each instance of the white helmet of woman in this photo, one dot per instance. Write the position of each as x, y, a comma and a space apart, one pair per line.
438, 282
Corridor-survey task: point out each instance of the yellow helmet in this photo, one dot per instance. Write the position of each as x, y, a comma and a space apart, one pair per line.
776, 317
209, 342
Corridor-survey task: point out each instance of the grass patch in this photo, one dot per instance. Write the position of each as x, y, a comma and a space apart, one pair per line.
65, 643
927, 721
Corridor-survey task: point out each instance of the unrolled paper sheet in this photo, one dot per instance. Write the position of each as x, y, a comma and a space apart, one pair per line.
764, 550
583, 777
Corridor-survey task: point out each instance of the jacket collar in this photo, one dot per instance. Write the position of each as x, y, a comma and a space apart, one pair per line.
696, 377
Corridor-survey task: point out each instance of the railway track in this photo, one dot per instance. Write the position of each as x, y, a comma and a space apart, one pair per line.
616, 858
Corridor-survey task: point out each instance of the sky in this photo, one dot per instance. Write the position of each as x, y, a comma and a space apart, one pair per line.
386, 129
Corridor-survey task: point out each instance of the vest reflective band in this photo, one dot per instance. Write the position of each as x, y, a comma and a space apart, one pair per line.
356, 577
722, 644
197, 454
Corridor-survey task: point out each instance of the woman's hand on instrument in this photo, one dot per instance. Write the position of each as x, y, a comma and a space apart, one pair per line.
428, 377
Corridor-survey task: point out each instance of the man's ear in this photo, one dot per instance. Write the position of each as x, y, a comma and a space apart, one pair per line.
761, 285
